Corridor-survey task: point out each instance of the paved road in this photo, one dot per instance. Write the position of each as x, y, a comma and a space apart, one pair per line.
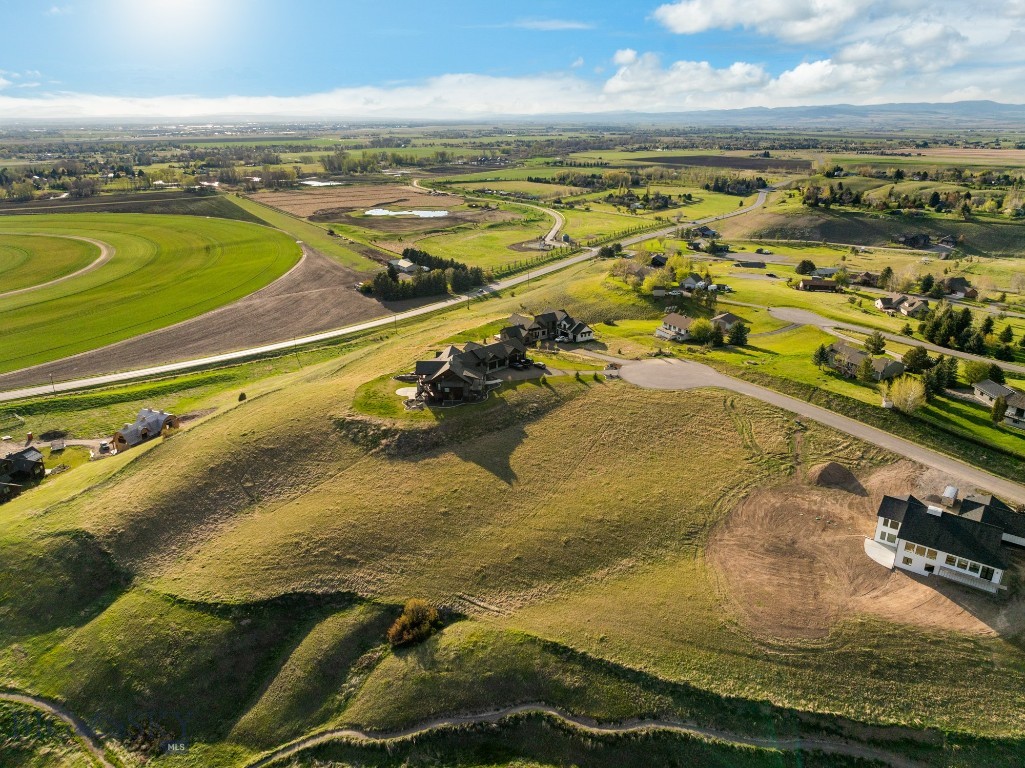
828, 745
383, 322
674, 374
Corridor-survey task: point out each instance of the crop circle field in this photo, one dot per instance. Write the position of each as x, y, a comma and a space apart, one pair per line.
30, 260
163, 269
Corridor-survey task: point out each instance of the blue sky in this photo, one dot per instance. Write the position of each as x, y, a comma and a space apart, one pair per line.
454, 59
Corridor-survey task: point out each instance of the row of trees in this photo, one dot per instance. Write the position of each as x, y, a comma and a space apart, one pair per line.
956, 329
460, 277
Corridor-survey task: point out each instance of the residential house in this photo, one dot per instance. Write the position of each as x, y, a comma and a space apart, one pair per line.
848, 359
659, 260
1014, 416
891, 303
461, 375
26, 464
962, 542
691, 281
914, 307
8, 490
959, 288
675, 327
817, 284
948, 241
825, 271
404, 266
866, 279
705, 231
916, 240
148, 424
552, 324
726, 321
750, 264
988, 391
658, 292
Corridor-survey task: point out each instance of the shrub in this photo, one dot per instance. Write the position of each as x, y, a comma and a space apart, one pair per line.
701, 331
418, 621
906, 393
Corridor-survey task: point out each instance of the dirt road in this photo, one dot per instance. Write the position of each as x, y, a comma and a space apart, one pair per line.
674, 374
834, 746
106, 251
82, 731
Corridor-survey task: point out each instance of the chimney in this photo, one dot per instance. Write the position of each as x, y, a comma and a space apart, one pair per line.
934, 510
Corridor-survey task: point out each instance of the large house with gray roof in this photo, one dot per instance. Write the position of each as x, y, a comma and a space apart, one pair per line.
848, 359
549, 325
964, 540
148, 424
462, 375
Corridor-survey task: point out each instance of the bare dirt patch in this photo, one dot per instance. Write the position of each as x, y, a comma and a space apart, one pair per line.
792, 561
358, 197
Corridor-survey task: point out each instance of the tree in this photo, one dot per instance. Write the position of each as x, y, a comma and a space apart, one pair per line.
1006, 335
805, 267
876, 343
986, 328
701, 331
866, 373
916, 360
927, 282
716, 338
820, 357
995, 373
886, 277
738, 335
907, 330
1004, 352
949, 365
975, 370
998, 409
907, 393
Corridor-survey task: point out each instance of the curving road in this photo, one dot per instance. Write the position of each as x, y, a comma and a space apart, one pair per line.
83, 732
676, 374
382, 322
106, 252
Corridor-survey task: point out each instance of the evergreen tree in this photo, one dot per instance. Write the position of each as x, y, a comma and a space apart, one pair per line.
1007, 335
738, 335
998, 410
820, 357
876, 343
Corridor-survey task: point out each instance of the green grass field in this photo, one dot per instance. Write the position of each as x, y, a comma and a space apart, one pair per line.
165, 269
31, 260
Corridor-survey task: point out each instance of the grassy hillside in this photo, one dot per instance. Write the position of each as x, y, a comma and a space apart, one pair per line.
174, 203
31, 739
231, 585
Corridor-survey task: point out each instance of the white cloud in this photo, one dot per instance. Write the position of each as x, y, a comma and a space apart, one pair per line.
796, 20
551, 25
4, 82
59, 10
578, 62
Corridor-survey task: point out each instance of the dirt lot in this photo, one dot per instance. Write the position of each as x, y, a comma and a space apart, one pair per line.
317, 295
792, 564
358, 197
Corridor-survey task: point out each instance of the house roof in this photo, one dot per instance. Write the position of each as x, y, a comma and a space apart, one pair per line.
1016, 399
818, 281
825, 271
993, 511
912, 304
955, 284
727, 318
893, 300
946, 532
677, 320
990, 388
27, 454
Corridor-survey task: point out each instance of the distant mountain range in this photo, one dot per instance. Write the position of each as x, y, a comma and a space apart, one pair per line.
960, 115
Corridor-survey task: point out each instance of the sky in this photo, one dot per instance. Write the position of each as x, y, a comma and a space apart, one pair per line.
452, 59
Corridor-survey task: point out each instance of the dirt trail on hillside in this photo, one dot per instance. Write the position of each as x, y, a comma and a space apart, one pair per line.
82, 731
106, 251
318, 294
792, 561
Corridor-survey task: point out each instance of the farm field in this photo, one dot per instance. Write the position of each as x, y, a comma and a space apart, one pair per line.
27, 260
165, 269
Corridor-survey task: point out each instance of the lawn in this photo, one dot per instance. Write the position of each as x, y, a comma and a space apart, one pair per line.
165, 269
488, 245
30, 260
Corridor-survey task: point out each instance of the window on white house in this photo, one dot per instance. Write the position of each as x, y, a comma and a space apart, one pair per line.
987, 573
908, 561
931, 554
951, 560
973, 567
962, 563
